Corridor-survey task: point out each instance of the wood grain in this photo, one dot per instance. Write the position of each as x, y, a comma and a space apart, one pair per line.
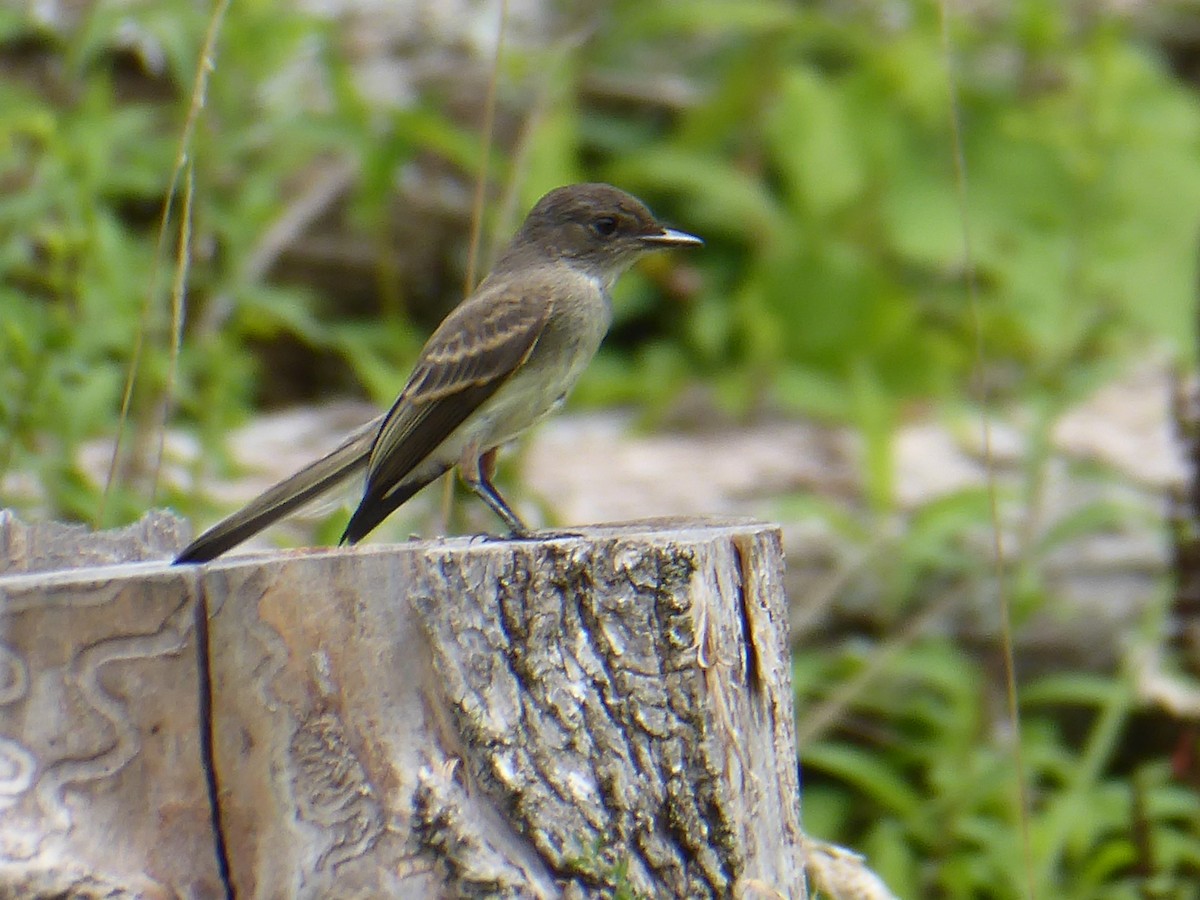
459, 718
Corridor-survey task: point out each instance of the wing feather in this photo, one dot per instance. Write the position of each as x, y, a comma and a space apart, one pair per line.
475, 350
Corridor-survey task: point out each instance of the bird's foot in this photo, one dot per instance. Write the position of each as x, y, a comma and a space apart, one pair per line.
526, 536
548, 535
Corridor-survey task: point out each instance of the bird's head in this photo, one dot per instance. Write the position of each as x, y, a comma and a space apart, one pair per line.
595, 227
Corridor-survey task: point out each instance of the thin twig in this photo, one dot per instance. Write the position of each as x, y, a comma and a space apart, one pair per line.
199, 91
321, 189
1021, 798
485, 150
481, 181
183, 258
829, 711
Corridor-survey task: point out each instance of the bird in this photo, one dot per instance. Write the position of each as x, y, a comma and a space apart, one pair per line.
500, 361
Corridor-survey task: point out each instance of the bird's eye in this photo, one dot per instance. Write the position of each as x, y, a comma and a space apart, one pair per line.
605, 226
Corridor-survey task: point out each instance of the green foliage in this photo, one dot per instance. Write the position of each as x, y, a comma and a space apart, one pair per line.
819, 163
600, 864
921, 781
86, 170
814, 147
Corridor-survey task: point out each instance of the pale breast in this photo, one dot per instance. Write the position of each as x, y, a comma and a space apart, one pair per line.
571, 337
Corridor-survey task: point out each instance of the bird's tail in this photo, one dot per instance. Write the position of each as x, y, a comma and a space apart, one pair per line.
373, 510
289, 495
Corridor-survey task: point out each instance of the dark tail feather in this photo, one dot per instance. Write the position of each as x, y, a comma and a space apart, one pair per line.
374, 510
287, 496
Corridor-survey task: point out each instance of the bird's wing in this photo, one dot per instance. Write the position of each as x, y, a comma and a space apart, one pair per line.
479, 346
293, 492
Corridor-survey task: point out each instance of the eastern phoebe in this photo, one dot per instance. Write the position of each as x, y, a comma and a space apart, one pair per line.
503, 359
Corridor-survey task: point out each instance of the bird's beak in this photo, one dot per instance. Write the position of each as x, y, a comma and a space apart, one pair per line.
669, 237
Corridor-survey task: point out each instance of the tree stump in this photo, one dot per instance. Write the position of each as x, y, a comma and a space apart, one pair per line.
592, 716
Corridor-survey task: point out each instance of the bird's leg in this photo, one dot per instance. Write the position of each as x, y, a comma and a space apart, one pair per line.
477, 470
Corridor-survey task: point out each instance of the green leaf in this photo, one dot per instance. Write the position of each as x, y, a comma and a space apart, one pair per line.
706, 17
864, 772
1071, 688
813, 144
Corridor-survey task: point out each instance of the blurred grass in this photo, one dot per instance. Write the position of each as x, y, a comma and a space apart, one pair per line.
811, 149
811, 146
919, 778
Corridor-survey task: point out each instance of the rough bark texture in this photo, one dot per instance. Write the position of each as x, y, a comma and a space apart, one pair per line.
460, 718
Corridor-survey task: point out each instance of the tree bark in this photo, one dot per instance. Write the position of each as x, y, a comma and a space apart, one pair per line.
591, 716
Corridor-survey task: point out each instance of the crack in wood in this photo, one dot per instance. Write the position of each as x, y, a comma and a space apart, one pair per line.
571, 718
